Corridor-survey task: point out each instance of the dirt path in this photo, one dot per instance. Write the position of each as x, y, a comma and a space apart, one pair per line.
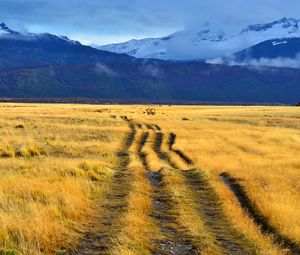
210, 210
241, 196
229, 240
258, 218
99, 239
175, 241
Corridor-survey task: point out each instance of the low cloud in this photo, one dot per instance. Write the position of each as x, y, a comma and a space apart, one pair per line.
269, 62
276, 62
152, 70
104, 69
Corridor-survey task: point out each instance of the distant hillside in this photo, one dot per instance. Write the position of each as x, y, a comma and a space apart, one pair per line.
49, 66
30, 50
152, 81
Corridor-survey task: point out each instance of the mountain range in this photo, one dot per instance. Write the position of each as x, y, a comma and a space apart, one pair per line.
207, 43
49, 66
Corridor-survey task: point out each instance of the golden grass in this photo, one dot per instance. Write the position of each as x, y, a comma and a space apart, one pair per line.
57, 160
139, 229
54, 162
154, 163
258, 145
188, 214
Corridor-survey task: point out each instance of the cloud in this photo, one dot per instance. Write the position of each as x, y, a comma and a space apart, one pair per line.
152, 70
262, 62
138, 18
104, 69
277, 62
215, 61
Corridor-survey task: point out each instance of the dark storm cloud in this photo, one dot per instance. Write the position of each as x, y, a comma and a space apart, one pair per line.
114, 19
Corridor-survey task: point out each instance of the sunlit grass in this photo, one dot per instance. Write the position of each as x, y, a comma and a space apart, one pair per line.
257, 145
55, 161
56, 164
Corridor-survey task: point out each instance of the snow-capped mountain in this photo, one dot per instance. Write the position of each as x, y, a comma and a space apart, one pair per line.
7, 33
206, 43
271, 49
31, 50
284, 52
5, 30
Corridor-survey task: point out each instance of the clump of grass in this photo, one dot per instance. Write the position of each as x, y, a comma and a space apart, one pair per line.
27, 152
7, 151
19, 126
94, 171
150, 111
8, 252
19, 151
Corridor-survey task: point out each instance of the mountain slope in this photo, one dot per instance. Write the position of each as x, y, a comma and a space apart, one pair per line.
154, 81
275, 53
45, 66
271, 49
206, 43
19, 50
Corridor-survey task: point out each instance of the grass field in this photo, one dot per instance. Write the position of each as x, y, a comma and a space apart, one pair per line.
87, 179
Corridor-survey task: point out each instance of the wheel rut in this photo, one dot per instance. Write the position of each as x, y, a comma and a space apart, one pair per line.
158, 140
107, 226
230, 241
249, 207
175, 241
142, 155
183, 156
210, 209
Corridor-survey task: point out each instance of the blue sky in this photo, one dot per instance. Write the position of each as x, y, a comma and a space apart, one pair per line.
108, 21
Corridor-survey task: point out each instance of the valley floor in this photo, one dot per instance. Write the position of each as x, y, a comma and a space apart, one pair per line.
81, 179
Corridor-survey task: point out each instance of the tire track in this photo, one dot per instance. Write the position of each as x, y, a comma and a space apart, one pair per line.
149, 126
258, 218
157, 127
141, 154
229, 240
184, 157
140, 126
159, 136
105, 229
175, 242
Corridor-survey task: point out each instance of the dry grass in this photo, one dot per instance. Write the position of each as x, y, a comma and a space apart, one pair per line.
259, 146
57, 160
54, 162
139, 228
189, 216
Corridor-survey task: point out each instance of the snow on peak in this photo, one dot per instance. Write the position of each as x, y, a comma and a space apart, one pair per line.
275, 43
284, 25
5, 30
206, 42
7, 33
